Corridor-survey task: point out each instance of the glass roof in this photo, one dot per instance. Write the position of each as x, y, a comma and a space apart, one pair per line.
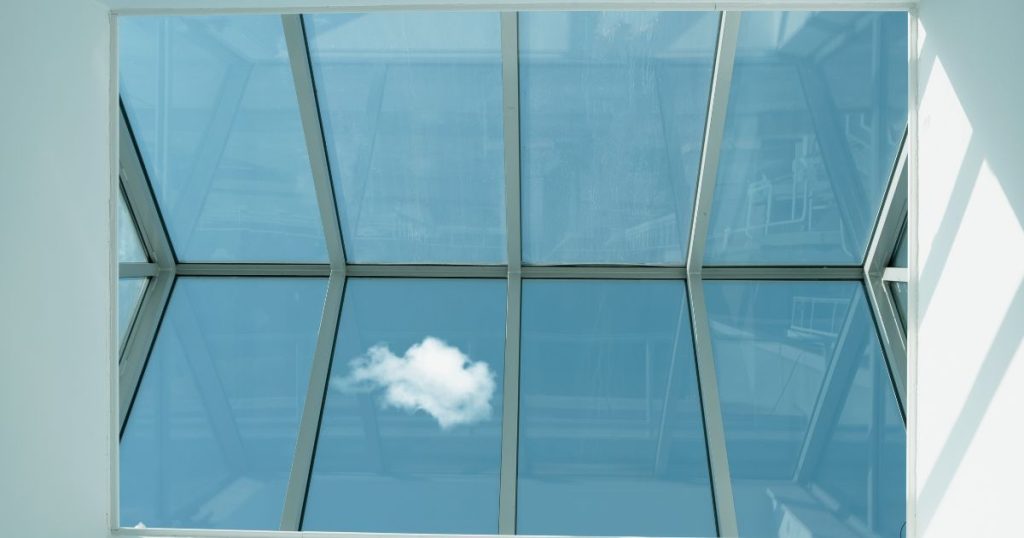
412, 114
212, 106
497, 333
816, 113
612, 110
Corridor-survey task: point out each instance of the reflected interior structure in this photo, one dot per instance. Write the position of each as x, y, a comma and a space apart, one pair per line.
424, 272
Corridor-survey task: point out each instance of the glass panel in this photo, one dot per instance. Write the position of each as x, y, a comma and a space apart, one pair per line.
610, 427
612, 117
783, 351
412, 113
212, 104
129, 247
211, 436
816, 112
129, 293
899, 258
411, 443
899, 293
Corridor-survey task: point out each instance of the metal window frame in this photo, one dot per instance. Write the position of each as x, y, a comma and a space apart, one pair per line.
165, 267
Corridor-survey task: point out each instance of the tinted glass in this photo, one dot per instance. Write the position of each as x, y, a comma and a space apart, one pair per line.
612, 117
129, 292
210, 439
785, 351
412, 113
212, 104
410, 439
611, 437
816, 112
129, 247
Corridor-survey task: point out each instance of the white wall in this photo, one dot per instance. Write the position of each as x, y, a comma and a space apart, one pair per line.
970, 265
56, 281
55, 271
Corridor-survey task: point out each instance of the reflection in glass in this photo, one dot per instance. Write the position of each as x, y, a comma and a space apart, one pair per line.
412, 112
212, 105
129, 293
815, 439
129, 246
210, 439
611, 437
411, 431
817, 109
612, 117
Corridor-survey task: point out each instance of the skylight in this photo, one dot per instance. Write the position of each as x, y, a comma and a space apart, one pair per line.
426, 272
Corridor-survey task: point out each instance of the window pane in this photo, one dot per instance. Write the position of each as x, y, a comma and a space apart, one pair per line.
816, 112
129, 292
213, 108
611, 437
612, 118
784, 351
129, 247
412, 113
211, 436
411, 434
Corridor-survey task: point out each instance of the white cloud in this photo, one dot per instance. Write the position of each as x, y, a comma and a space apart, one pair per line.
432, 376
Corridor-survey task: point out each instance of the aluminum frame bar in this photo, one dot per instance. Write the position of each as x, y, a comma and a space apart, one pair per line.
137, 269
891, 335
254, 269
896, 274
209, 7
140, 341
714, 131
884, 240
609, 272
316, 392
707, 378
509, 471
141, 200
312, 128
892, 217
782, 273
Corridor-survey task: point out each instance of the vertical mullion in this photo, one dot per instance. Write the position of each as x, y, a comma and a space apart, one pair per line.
312, 128
707, 379
309, 426
510, 406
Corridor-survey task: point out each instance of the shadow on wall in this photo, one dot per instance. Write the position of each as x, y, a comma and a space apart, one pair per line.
966, 54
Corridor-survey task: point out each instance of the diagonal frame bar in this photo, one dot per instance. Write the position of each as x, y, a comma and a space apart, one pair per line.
707, 380
312, 128
143, 206
883, 244
316, 392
